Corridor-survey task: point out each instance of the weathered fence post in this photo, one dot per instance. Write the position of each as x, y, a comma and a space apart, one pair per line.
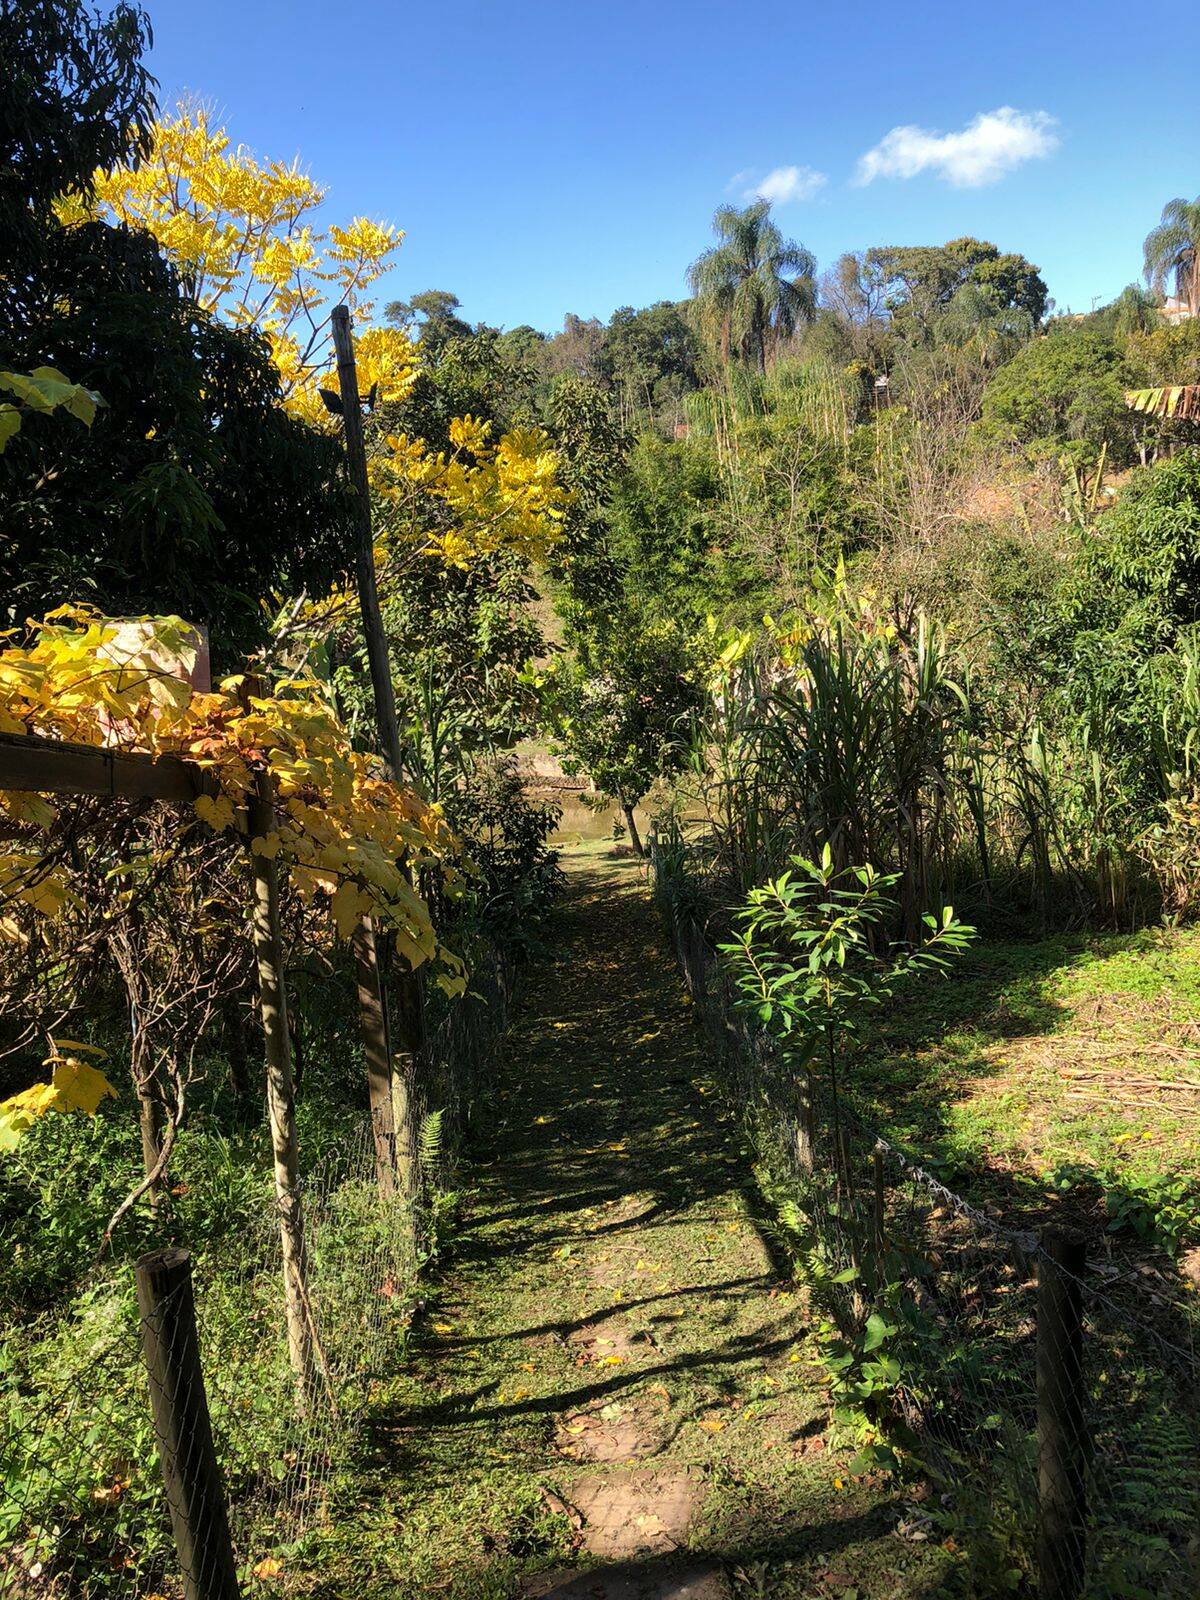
1062, 1428
191, 1476
281, 1091
378, 1057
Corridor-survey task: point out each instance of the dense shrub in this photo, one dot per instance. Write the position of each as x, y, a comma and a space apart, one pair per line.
1062, 394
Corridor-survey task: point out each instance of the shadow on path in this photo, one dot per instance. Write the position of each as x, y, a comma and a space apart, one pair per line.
614, 1393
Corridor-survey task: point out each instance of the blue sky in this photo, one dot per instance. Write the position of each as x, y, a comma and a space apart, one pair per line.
553, 157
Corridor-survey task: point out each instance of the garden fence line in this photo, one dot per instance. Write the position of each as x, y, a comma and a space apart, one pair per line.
188, 1463
1057, 1430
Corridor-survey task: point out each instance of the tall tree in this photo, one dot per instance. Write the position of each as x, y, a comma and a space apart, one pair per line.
922, 281
759, 284
1174, 247
649, 357
239, 233
1135, 310
432, 315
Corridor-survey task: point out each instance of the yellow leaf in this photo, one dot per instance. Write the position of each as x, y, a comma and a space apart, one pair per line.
345, 909
218, 812
78, 1087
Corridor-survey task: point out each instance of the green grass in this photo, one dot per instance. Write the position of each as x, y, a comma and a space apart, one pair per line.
1032, 1069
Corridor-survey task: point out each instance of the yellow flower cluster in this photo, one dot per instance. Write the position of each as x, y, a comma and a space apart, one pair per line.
499, 496
239, 231
350, 837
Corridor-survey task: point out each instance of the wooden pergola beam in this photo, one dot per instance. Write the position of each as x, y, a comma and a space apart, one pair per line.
52, 766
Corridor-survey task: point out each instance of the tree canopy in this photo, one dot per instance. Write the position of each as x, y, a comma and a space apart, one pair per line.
193, 490
919, 283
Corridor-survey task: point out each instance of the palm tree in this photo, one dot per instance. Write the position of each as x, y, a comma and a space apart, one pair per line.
975, 319
1174, 246
1135, 310
758, 283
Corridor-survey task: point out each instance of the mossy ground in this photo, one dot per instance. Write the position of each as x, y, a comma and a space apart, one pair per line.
613, 1321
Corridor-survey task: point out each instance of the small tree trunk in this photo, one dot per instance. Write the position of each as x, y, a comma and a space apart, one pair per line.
281, 1097
805, 1123
150, 1118
635, 837
235, 1045
406, 1069
375, 1049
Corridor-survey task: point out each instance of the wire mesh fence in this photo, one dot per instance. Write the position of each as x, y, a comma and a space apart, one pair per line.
1057, 1427
83, 1508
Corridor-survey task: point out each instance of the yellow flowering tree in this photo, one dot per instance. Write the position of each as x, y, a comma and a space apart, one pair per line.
244, 237
475, 499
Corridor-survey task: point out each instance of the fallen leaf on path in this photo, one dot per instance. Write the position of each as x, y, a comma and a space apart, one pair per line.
649, 1522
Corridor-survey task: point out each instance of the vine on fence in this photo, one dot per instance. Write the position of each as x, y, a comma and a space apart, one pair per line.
352, 839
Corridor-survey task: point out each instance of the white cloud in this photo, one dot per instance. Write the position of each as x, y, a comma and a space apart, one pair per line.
780, 186
989, 146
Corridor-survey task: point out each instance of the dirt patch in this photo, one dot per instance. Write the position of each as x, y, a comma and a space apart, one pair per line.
637, 1523
616, 1431
639, 1512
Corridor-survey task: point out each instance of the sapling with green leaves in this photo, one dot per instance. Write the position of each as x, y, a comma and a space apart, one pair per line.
811, 953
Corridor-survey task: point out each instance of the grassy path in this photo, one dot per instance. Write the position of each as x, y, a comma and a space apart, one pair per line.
611, 1395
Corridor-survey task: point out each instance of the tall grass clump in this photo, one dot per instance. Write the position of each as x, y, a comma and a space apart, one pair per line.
875, 733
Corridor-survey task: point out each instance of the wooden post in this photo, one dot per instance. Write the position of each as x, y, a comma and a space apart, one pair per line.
409, 1032
281, 1093
878, 1212
191, 1476
1062, 1432
364, 545
375, 1048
